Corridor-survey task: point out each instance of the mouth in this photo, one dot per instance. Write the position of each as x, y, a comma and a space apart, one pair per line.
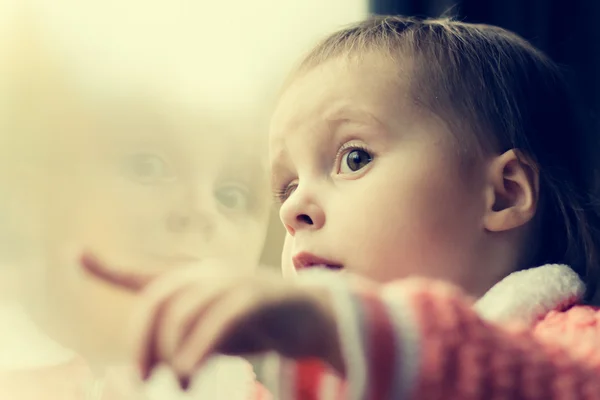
305, 260
135, 276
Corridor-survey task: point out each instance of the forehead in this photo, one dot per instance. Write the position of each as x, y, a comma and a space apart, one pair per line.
371, 83
192, 131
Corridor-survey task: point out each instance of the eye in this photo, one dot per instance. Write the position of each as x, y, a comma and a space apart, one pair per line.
354, 160
233, 197
281, 195
146, 168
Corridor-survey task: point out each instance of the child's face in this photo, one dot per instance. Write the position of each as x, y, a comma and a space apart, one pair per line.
376, 185
151, 197
168, 196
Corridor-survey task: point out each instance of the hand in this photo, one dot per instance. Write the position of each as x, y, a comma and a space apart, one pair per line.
188, 316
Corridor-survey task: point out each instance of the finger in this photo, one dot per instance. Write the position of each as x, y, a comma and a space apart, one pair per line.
147, 325
196, 315
191, 314
152, 326
185, 309
223, 322
269, 319
145, 345
115, 276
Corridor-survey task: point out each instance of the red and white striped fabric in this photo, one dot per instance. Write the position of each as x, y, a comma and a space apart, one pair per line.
420, 339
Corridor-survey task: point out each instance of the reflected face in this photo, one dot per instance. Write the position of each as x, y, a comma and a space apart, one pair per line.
152, 197
157, 201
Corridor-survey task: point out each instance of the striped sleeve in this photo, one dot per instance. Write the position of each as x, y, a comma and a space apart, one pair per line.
420, 339
378, 359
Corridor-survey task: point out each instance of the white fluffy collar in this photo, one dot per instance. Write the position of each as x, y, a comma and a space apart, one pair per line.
526, 296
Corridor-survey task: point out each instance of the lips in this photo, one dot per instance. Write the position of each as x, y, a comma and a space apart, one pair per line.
305, 260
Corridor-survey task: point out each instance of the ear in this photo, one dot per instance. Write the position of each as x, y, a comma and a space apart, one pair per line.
513, 192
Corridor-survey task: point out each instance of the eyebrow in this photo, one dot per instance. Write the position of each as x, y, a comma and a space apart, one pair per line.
345, 115
334, 120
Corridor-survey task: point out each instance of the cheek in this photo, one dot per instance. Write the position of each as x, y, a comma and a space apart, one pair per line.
120, 215
240, 241
287, 267
423, 222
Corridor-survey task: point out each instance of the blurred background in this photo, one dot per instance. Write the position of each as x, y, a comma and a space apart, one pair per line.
136, 129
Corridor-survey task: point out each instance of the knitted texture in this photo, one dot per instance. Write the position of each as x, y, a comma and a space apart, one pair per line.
424, 340
464, 357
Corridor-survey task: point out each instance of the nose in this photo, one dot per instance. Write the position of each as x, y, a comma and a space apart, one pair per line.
301, 211
195, 211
